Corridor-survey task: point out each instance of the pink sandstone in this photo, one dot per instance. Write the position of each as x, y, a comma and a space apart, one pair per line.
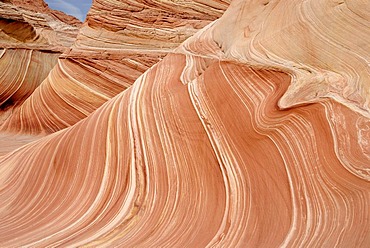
253, 132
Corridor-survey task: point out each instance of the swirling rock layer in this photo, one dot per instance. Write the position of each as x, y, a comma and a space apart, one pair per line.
214, 180
31, 39
209, 147
119, 41
32, 36
21, 72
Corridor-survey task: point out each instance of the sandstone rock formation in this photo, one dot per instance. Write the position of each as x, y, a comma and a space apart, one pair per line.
30, 43
32, 37
32, 25
41, 7
254, 132
119, 41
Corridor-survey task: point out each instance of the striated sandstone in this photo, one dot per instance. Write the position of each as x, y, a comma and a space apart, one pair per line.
21, 72
41, 7
32, 37
119, 41
324, 44
223, 143
30, 26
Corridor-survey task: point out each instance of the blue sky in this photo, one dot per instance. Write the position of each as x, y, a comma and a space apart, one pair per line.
77, 8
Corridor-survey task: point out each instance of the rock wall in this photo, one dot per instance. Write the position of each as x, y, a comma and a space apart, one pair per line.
240, 137
119, 41
32, 37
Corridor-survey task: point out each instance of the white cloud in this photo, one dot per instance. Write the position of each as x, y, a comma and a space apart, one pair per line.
66, 7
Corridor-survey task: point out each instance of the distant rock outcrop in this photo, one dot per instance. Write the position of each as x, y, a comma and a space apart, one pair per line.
32, 25
40, 6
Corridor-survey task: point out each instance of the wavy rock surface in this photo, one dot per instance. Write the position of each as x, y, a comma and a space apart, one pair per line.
32, 37
119, 41
21, 72
223, 143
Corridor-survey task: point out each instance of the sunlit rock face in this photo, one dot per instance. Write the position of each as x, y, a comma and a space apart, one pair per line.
32, 37
32, 25
119, 41
254, 132
22, 70
41, 7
